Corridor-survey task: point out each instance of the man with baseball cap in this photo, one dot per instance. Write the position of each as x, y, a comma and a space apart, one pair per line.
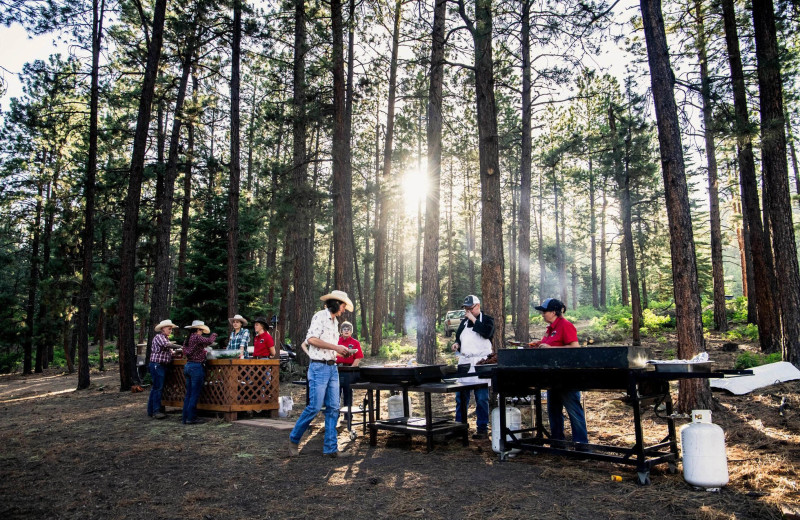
473, 343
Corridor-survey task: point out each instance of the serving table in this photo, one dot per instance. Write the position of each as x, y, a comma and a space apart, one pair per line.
231, 386
641, 385
427, 426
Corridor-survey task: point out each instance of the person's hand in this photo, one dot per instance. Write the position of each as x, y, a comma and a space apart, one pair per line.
342, 350
456, 347
468, 314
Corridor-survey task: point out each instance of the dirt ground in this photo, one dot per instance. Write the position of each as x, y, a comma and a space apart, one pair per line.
96, 454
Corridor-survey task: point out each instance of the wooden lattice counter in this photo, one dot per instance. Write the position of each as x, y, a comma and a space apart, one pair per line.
231, 386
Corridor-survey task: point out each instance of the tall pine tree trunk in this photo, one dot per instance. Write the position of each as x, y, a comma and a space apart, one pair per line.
693, 393
429, 291
342, 179
384, 198
775, 172
298, 249
84, 300
717, 270
492, 283
235, 170
127, 347
522, 304
763, 274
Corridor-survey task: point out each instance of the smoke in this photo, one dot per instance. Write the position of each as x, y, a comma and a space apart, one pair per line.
411, 319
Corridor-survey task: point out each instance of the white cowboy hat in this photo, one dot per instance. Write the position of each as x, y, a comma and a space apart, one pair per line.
237, 317
165, 323
341, 296
197, 324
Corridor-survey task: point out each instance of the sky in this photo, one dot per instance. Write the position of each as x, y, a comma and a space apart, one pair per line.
16, 49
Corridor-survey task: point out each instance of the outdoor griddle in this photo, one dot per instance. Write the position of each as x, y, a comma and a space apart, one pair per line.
526, 372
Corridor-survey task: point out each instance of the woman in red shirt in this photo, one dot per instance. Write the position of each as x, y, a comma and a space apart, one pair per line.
263, 344
346, 339
562, 333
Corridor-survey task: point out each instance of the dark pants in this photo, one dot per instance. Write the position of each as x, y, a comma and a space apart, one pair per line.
158, 373
195, 376
571, 400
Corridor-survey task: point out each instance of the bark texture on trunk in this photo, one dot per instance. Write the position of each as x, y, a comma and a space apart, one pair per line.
381, 246
130, 235
299, 250
763, 274
693, 393
776, 180
492, 283
429, 291
236, 169
84, 299
717, 270
342, 180
522, 304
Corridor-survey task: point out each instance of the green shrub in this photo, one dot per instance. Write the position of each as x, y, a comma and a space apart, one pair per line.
396, 350
655, 323
10, 361
754, 359
748, 332
669, 353
737, 310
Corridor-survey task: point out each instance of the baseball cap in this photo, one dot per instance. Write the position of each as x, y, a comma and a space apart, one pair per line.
550, 304
470, 300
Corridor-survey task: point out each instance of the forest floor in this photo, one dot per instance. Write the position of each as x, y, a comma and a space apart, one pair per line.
96, 454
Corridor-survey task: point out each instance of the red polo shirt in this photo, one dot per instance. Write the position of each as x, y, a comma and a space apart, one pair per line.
559, 333
262, 344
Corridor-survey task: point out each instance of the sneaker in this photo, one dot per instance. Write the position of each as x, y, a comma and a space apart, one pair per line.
160, 415
195, 421
480, 435
292, 448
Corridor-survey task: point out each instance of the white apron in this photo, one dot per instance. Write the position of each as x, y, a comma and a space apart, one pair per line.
474, 347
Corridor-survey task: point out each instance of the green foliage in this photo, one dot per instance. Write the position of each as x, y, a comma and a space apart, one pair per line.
670, 353
9, 361
751, 359
396, 350
653, 324
737, 310
747, 332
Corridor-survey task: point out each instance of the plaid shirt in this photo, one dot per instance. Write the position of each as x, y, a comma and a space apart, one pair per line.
159, 350
239, 340
194, 348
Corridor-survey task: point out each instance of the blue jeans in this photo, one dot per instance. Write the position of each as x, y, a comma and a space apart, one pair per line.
158, 374
571, 400
195, 376
323, 388
481, 407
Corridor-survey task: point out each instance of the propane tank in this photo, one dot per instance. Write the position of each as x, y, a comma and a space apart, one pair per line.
705, 463
395, 405
513, 422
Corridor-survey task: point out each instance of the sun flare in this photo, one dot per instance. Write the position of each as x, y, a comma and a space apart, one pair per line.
415, 189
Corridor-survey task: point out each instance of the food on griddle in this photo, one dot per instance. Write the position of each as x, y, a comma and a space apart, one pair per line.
491, 360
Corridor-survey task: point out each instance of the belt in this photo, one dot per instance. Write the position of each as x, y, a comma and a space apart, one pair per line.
326, 361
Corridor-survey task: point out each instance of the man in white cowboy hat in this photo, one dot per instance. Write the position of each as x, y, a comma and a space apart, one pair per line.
160, 357
240, 336
323, 376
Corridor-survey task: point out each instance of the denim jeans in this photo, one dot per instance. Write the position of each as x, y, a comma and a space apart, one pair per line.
323, 388
571, 400
195, 376
481, 407
158, 373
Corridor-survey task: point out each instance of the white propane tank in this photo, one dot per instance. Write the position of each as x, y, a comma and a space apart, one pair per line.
705, 463
513, 422
395, 405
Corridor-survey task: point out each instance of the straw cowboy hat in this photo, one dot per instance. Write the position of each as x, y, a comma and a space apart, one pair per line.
341, 296
197, 324
165, 323
238, 317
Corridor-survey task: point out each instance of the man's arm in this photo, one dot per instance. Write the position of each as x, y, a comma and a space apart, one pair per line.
320, 343
484, 326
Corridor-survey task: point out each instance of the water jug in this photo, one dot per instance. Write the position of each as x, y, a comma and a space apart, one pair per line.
513, 422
